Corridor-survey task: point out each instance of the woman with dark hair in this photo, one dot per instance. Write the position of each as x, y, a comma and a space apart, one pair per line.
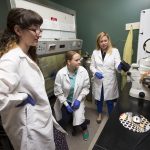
24, 106
71, 87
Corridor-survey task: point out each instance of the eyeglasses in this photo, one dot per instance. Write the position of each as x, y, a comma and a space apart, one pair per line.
36, 31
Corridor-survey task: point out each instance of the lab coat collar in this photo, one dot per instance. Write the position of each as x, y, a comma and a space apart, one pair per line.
79, 76
30, 61
73, 74
66, 72
100, 55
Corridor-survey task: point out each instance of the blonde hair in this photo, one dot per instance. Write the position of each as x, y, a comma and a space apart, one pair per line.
100, 36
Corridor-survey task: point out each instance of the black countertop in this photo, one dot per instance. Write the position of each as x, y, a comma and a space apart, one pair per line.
116, 137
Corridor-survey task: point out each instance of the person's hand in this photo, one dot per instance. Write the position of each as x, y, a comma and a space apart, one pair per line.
120, 66
123, 66
76, 104
28, 100
69, 109
99, 75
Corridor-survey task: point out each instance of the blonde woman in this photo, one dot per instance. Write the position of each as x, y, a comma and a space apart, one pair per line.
105, 61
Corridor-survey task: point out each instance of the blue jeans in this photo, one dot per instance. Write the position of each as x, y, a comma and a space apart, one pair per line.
110, 103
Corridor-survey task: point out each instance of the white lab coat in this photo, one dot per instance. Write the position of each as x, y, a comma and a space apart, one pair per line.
108, 67
28, 127
62, 88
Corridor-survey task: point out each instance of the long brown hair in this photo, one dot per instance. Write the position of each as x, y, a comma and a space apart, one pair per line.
24, 18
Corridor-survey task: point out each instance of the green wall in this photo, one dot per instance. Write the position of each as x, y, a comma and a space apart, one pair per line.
4, 8
94, 16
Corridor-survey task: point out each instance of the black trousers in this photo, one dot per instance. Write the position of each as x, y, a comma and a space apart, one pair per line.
67, 118
4, 140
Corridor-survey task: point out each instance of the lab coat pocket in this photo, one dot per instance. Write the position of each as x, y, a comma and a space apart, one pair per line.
96, 89
29, 113
41, 144
38, 117
97, 82
41, 138
98, 61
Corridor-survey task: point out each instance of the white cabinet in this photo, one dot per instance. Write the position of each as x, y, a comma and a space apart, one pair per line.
144, 35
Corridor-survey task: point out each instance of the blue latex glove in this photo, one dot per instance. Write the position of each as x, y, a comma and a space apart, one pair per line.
120, 66
28, 100
76, 104
99, 75
69, 109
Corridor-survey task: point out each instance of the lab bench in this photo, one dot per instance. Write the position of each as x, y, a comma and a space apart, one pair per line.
115, 136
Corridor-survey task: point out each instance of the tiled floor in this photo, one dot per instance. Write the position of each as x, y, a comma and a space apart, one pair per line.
77, 142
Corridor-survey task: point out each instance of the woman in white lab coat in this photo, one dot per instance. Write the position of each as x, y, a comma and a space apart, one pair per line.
71, 87
105, 61
24, 106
